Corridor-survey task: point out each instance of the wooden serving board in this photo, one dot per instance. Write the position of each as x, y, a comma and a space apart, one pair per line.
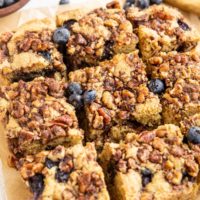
11, 185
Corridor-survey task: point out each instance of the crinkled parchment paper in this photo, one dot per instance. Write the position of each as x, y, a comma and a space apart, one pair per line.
11, 185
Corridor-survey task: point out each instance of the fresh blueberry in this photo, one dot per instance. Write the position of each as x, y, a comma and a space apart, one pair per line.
1, 3
68, 24
9, 2
156, 86
46, 55
49, 163
74, 88
64, 2
194, 135
128, 3
156, 1
61, 35
183, 25
142, 4
61, 176
146, 176
76, 100
36, 183
89, 96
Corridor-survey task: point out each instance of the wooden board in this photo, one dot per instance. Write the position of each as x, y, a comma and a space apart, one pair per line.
11, 185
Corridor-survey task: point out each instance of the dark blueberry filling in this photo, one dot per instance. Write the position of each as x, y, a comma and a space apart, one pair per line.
183, 25
29, 76
46, 55
49, 163
61, 176
36, 183
146, 177
68, 24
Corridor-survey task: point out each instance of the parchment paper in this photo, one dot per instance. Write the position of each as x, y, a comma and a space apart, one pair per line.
11, 185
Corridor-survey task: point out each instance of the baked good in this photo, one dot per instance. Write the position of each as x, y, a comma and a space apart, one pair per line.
180, 101
69, 17
32, 53
98, 36
4, 39
38, 116
121, 95
162, 29
172, 66
151, 165
65, 174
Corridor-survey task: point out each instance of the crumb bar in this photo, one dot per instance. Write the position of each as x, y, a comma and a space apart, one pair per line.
151, 165
121, 94
32, 52
98, 36
38, 116
65, 174
162, 29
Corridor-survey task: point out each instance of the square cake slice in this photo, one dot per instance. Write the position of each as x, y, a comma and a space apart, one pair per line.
162, 29
98, 36
65, 174
38, 116
151, 165
182, 100
122, 95
32, 52
172, 66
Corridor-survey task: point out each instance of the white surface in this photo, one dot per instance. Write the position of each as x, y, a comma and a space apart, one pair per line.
49, 3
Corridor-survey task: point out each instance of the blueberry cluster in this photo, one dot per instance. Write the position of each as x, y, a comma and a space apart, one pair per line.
141, 3
77, 97
6, 3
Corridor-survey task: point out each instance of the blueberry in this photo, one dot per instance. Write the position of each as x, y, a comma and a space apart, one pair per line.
194, 135
61, 176
46, 55
36, 183
128, 3
76, 100
49, 163
183, 25
146, 176
64, 2
9, 2
156, 86
68, 24
1, 3
74, 88
142, 3
61, 35
156, 1
89, 96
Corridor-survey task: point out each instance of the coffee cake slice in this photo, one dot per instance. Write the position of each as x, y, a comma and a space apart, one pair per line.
32, 53
173, 66
151, 165
100, 35
182, 100
122, 95
38, 116
64, 174
162, 29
